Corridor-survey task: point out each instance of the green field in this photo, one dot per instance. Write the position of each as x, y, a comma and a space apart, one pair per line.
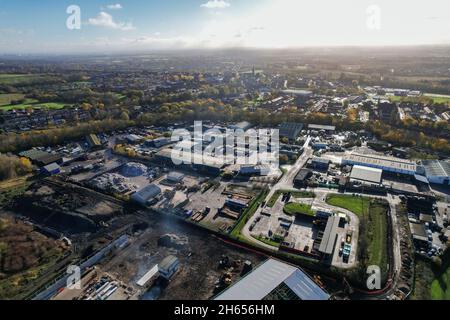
432, 282
373, 226
30, 104
440, 287
423, 99
298, 208
22, 79
6, 98
351, 203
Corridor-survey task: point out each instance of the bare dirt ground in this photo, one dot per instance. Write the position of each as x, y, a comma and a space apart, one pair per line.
199, 255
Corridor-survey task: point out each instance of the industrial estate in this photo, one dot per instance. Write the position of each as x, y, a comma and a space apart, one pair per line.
96, 202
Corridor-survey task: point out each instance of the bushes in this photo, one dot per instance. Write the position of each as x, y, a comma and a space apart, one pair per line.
12, 166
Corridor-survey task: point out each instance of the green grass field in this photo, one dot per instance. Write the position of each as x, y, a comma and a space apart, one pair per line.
440, 287
30, 104
351, 203
373, 225
21, 79
424, 99
6, 98
298, 208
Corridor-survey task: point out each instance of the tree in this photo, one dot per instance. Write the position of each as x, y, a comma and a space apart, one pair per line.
284, 159
124, 116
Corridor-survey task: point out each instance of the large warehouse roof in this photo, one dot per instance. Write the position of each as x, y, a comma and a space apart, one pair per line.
382, 162
437, 168
291, 130
215, 162
329, 236
267, 277
147, 193
321, 127
366, 174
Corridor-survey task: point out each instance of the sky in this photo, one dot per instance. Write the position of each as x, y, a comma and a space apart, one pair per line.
30, 26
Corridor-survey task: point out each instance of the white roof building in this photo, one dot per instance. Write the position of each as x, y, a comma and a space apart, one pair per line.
366, 174
271, 275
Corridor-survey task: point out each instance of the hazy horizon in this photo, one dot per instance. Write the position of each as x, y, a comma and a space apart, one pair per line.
31, 27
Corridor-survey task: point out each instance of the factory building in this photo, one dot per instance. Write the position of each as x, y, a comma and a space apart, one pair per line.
437, 172
51, 169
241, 126
205, 164
329, 236
320, 164
302, 177
147, 196
41, 158
300, 95
387, 164
175, 177
259, 170
93, 141
291, 130
320, 127
168, 267
275, 280
366, 175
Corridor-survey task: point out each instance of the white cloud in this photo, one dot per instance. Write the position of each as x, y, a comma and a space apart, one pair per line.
107, 21
216, 4
116, 6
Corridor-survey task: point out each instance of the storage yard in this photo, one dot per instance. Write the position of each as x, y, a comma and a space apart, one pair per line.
204, 262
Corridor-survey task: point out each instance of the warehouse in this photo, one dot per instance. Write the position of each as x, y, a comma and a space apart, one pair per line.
275, 280
387, 164
241, 126
206, 164
302, 177
147, 196
41, 158
330, 236
366, 175
151, 274
168, 267
93, 141
300, 95
291, 130
320, 127
51, 169
259, 170
320, 164
175, 177
437, 172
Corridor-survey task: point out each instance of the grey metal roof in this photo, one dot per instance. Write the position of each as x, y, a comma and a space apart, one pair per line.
264, 279
437, 168
148, 192
304, 287
366, 174
329, 236
321, 127
291, 129
167, 262
52, 167
382, 161
321, 160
